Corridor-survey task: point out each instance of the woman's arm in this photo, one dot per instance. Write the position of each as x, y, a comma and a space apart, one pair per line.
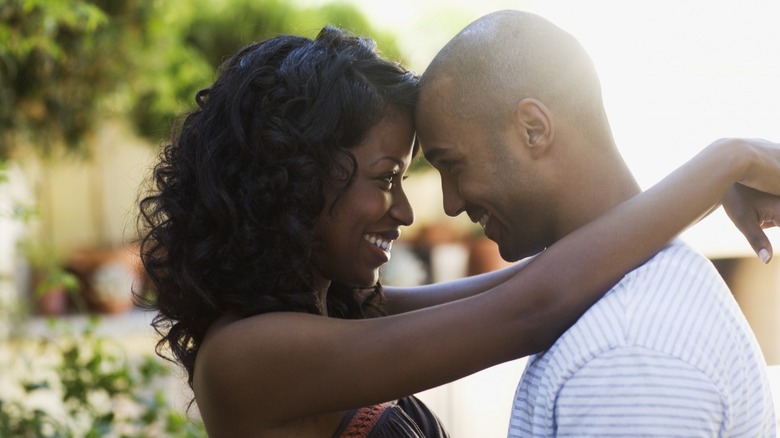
405, 299
286, 366
725, 170
746, 207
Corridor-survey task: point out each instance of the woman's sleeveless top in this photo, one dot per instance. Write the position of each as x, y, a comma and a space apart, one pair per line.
405, 418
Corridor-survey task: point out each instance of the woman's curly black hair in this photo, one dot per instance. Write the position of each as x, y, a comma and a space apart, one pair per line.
228, 225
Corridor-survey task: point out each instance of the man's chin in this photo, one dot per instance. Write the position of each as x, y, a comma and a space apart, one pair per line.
508, 254
513, 254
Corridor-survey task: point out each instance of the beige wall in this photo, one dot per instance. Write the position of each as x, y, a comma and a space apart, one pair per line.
91, 202
756, 288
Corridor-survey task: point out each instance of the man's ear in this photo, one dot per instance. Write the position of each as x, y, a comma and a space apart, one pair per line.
535, 123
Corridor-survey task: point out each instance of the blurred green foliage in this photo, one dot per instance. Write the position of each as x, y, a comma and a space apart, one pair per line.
80, 384
66, 64
50, 75
191, 40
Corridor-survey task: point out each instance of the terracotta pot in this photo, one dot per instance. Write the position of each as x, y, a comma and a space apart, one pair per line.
109, 277
484, 256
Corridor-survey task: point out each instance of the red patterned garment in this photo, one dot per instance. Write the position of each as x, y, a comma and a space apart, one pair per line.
404, 418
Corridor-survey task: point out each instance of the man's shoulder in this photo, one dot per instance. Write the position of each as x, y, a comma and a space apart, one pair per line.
677, 266
678, 288
678, 255
679, 314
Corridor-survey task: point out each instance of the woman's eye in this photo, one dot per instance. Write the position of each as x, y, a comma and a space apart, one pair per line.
388, 179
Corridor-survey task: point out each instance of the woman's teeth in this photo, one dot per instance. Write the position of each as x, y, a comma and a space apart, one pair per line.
379, 242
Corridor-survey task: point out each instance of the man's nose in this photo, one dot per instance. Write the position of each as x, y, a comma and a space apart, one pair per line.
453, 203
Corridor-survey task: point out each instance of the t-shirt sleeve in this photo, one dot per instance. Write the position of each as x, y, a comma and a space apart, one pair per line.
638, 392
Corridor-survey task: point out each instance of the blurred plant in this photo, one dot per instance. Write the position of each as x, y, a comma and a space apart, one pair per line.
58, 61
52, 283
66, 63
190, 40
81, 385
48, 273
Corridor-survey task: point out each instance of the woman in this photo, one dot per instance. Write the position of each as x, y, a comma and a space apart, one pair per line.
274, 208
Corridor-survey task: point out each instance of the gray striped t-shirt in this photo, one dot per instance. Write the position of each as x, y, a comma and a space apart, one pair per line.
667, 352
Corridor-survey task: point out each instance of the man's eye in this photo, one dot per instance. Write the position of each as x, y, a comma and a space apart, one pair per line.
448, 166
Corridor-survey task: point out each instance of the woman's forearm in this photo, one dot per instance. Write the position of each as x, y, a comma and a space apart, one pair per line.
405, 299
625, 237
651, 220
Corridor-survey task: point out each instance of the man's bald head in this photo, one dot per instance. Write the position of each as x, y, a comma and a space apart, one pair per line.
508, 56
510, 114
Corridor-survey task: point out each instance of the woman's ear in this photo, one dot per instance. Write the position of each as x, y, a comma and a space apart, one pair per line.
535, 122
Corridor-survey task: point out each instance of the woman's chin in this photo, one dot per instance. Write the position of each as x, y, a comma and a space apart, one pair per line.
368, 282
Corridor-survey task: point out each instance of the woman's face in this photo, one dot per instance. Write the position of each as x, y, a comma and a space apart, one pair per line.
359, 229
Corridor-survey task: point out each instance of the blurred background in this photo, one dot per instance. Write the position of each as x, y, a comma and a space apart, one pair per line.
90, 89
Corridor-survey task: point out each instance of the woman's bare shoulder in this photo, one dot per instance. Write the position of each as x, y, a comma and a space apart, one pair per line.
232, 338
240, 365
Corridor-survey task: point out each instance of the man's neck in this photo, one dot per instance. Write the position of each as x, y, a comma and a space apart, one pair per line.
597, 191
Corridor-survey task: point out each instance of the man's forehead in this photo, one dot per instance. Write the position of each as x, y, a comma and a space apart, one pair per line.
432, 104
437, 87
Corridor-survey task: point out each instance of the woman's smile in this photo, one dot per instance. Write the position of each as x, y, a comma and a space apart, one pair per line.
380, 245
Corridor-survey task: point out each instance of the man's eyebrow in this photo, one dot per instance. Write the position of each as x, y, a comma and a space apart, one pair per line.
434, 154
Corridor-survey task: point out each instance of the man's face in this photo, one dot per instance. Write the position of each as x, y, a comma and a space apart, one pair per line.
485, 173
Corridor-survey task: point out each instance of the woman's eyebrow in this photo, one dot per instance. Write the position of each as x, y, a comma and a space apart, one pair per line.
388, 158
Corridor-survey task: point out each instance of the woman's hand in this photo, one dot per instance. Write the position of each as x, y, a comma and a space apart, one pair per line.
752, 211
759, 158
753, 202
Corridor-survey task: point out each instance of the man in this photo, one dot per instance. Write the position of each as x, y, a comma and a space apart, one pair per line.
511, 114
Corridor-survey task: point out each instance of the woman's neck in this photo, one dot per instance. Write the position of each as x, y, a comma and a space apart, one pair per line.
321, 286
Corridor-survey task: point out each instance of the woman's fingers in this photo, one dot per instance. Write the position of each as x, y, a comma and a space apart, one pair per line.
752, 211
